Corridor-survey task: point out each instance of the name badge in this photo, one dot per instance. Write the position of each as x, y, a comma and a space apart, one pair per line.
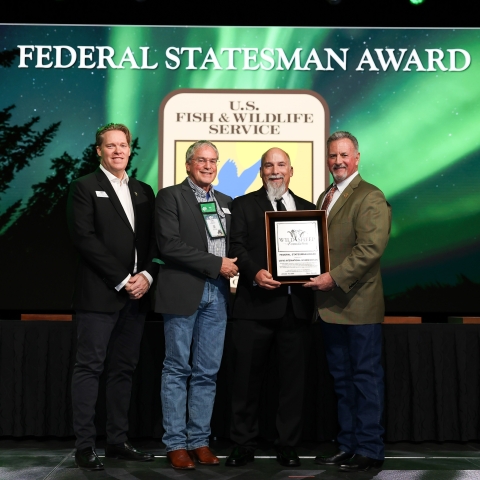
101, 194
212, 220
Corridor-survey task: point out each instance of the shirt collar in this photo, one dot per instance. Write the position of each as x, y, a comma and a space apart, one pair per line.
287, 195
341, 186
200, 191
113, 178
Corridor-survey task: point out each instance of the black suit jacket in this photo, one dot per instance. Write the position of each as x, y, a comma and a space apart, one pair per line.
183, 247
247, 242
106, 242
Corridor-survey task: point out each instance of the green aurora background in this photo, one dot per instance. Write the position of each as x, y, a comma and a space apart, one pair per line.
418, 131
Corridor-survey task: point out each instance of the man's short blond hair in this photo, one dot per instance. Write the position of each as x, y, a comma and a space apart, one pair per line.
107, 128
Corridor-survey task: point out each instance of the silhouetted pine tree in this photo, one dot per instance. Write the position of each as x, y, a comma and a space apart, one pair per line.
7, 215
8, 56
19, 144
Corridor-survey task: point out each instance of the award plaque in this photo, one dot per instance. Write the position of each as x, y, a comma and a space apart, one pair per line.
297, 245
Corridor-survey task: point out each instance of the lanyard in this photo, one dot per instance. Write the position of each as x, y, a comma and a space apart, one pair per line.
212, 220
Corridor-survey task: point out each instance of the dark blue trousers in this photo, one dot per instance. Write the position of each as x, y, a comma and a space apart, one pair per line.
354, 354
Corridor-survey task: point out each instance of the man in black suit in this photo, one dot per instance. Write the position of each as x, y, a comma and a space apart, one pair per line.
110, 218
192, 223
267, 314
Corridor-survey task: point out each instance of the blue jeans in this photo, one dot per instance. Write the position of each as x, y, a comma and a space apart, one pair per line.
193, 353
354, 354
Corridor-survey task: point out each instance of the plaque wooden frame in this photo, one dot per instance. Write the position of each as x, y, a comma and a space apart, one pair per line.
296, 215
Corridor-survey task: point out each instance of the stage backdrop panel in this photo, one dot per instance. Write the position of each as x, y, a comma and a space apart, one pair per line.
410, 96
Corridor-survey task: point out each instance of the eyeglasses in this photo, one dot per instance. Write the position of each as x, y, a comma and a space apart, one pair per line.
204, 161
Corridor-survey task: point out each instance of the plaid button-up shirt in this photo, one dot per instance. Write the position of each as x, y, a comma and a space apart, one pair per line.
216, 246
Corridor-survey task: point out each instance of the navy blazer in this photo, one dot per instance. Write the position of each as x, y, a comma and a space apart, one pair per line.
106, 242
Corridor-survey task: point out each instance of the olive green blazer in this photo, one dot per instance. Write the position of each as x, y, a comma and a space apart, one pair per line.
358, 232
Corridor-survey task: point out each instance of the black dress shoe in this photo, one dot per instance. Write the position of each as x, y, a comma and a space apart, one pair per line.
125, 451
287, 456
87, 459
359, 463
337, 459
240, 456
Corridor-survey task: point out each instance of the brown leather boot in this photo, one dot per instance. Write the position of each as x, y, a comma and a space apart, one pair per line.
180, 459
204, 456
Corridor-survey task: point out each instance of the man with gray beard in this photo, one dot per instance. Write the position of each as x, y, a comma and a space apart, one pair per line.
267, 314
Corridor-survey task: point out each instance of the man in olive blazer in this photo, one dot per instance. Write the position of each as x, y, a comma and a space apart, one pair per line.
350, 305
358, 231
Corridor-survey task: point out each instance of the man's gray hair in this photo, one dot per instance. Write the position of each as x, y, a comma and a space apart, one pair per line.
192, 148
341, 135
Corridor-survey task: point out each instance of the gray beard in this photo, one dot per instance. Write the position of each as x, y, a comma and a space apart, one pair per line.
340, 178
274, 192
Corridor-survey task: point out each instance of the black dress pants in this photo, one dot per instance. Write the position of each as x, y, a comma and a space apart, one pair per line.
253, 341
110, 340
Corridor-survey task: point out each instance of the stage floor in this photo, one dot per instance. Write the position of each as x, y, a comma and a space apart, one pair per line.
52, 459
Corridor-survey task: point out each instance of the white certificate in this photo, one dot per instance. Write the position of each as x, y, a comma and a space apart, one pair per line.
297, 248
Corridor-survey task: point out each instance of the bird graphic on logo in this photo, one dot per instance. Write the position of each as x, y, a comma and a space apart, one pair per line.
296, 234
231, 183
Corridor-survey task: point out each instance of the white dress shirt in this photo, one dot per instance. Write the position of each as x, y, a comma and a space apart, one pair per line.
123, 193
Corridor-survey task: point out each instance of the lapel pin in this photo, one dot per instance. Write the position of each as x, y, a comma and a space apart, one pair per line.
136, 194
345, 194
